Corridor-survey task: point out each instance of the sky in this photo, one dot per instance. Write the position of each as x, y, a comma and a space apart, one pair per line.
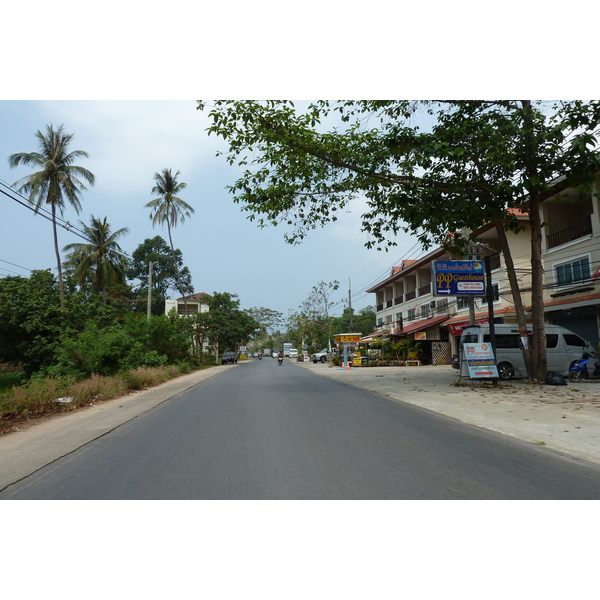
128, 142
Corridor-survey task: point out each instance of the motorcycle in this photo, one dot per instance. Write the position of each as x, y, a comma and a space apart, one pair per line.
279, 360
579, 369
260, 357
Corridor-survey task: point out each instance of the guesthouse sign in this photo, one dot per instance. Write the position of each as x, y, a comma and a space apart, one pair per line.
458, 278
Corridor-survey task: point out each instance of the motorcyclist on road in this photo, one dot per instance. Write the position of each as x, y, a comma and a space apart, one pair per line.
280, 357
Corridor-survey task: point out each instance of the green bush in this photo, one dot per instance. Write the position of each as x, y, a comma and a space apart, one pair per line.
8, 379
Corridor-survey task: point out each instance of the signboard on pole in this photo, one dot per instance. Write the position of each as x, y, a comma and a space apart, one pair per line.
481, 361
346, 338
458, 278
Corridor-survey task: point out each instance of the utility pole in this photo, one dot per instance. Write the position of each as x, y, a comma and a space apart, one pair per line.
149, 305
474, 254
350, 305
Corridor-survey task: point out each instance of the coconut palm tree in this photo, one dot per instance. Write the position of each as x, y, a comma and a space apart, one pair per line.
100, 261
57, 179
169, 209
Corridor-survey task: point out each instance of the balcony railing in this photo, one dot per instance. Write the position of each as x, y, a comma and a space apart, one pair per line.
398, 300
568, 234
411, 295
426, 289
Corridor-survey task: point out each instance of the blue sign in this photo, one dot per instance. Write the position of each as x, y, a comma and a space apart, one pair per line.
458, 278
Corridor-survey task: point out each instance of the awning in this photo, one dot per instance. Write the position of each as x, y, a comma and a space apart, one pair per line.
372, 337
423, 324
456, 328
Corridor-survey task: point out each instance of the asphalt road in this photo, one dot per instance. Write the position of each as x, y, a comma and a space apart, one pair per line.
260, 431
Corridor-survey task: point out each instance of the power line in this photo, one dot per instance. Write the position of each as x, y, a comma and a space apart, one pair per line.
46, 214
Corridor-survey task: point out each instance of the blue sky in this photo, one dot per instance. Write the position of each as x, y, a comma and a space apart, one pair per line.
128, 141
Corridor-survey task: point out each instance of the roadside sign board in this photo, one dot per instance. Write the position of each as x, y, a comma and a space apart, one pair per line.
458, 278
480, 360
346, 338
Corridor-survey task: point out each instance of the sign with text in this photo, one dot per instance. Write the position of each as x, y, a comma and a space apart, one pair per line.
480, 360
346, 338
458, 278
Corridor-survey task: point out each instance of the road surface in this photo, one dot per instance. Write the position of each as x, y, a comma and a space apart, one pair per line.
261, 431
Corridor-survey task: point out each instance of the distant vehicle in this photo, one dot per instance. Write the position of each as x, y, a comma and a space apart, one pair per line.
293, 353
229, 357
275, 354
321, 356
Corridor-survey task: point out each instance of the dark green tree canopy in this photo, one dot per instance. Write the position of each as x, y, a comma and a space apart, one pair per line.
225, 323
164, 275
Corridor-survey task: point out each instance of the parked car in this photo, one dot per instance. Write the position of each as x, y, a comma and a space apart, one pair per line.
320, 356
293, 353
229, 357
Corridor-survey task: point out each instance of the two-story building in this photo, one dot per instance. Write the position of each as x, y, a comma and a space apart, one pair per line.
196, 303
571, 254
406, 307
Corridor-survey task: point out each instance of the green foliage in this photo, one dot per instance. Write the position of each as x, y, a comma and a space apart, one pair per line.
168, 209
95, 350
471, 162
225, 323
99, 262
30, 320
11, 378
405, 348
164, 273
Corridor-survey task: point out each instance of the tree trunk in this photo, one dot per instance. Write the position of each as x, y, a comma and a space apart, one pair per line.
539, 359
58, 263
514, 288
177, 270
539, 364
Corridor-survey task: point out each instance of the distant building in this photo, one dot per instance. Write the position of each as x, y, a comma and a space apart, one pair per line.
196, 303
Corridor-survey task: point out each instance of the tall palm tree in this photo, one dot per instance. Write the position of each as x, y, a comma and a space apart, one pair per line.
169, 209
100, 261
57, 180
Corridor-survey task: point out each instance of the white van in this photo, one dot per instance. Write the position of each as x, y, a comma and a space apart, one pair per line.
562, 348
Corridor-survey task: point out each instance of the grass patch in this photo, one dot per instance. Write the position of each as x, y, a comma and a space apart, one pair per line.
38, 396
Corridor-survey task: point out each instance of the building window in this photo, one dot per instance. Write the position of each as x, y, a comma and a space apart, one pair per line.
412, 314
425, 311
573, 272
399, 316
